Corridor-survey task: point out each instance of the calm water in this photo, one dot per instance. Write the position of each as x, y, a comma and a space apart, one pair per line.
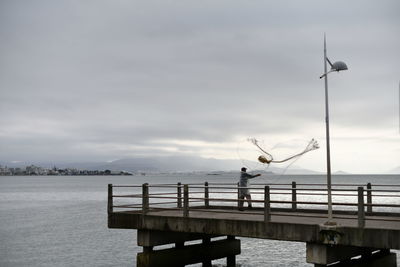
62, 221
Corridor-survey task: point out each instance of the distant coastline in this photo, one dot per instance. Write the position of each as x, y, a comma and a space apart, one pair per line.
33, 170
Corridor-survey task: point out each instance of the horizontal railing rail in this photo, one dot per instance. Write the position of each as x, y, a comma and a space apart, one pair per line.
358, 201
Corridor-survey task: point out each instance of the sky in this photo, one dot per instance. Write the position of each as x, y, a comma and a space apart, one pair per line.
106, 80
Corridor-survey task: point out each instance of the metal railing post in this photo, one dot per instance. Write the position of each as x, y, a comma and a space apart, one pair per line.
179, 195
238, 195
294, 196
110, 199
361, 211
186, 200
206, 195
369, 197
145, 198
267, 205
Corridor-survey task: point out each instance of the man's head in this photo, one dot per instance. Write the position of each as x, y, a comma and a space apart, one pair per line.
243, 169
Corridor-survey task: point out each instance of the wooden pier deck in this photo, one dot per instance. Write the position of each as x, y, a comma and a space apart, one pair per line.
173, 214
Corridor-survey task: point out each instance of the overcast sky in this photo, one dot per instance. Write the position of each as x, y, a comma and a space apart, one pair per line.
104, 80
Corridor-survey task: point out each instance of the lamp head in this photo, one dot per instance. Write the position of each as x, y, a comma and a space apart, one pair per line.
338, 66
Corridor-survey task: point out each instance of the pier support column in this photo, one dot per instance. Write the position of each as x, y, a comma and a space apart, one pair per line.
180, 254
231, 259
206, 262
322, 255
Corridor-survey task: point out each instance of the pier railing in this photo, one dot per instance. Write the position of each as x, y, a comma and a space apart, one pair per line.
357, 201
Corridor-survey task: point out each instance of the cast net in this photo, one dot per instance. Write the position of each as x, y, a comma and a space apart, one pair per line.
267, 158
259, 155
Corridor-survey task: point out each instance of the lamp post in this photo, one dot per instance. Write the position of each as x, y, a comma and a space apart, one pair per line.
337, 66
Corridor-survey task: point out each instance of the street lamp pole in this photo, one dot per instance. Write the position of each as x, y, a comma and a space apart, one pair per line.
328, 147
337, 66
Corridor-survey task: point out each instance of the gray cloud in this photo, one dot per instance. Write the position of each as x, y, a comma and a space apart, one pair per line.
106, 80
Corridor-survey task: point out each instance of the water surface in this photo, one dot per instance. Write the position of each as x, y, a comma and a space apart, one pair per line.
62, 221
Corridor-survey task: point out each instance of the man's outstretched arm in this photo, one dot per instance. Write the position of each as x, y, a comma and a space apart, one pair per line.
254, 176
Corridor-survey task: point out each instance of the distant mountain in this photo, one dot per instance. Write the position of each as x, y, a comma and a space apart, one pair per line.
341, 173
292, 170
163, 164
183, 164
159, 164
188, 164
173, 164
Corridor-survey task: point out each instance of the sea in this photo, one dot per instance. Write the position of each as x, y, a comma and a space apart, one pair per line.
62, 220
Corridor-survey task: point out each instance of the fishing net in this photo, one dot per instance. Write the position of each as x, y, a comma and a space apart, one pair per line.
267, 158
258, 155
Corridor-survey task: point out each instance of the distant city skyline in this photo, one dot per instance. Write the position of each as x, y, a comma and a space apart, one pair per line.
39, 170
100, 81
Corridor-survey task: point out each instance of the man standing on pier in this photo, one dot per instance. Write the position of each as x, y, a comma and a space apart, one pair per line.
245, 192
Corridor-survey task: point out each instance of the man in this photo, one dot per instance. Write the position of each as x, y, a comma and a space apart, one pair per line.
245, 192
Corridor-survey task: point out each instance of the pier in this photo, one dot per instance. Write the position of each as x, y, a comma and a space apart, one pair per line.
201, 222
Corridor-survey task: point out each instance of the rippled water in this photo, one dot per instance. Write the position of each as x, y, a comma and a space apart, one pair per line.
62, 221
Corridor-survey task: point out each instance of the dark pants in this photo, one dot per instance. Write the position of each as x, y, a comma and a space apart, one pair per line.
241, 200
